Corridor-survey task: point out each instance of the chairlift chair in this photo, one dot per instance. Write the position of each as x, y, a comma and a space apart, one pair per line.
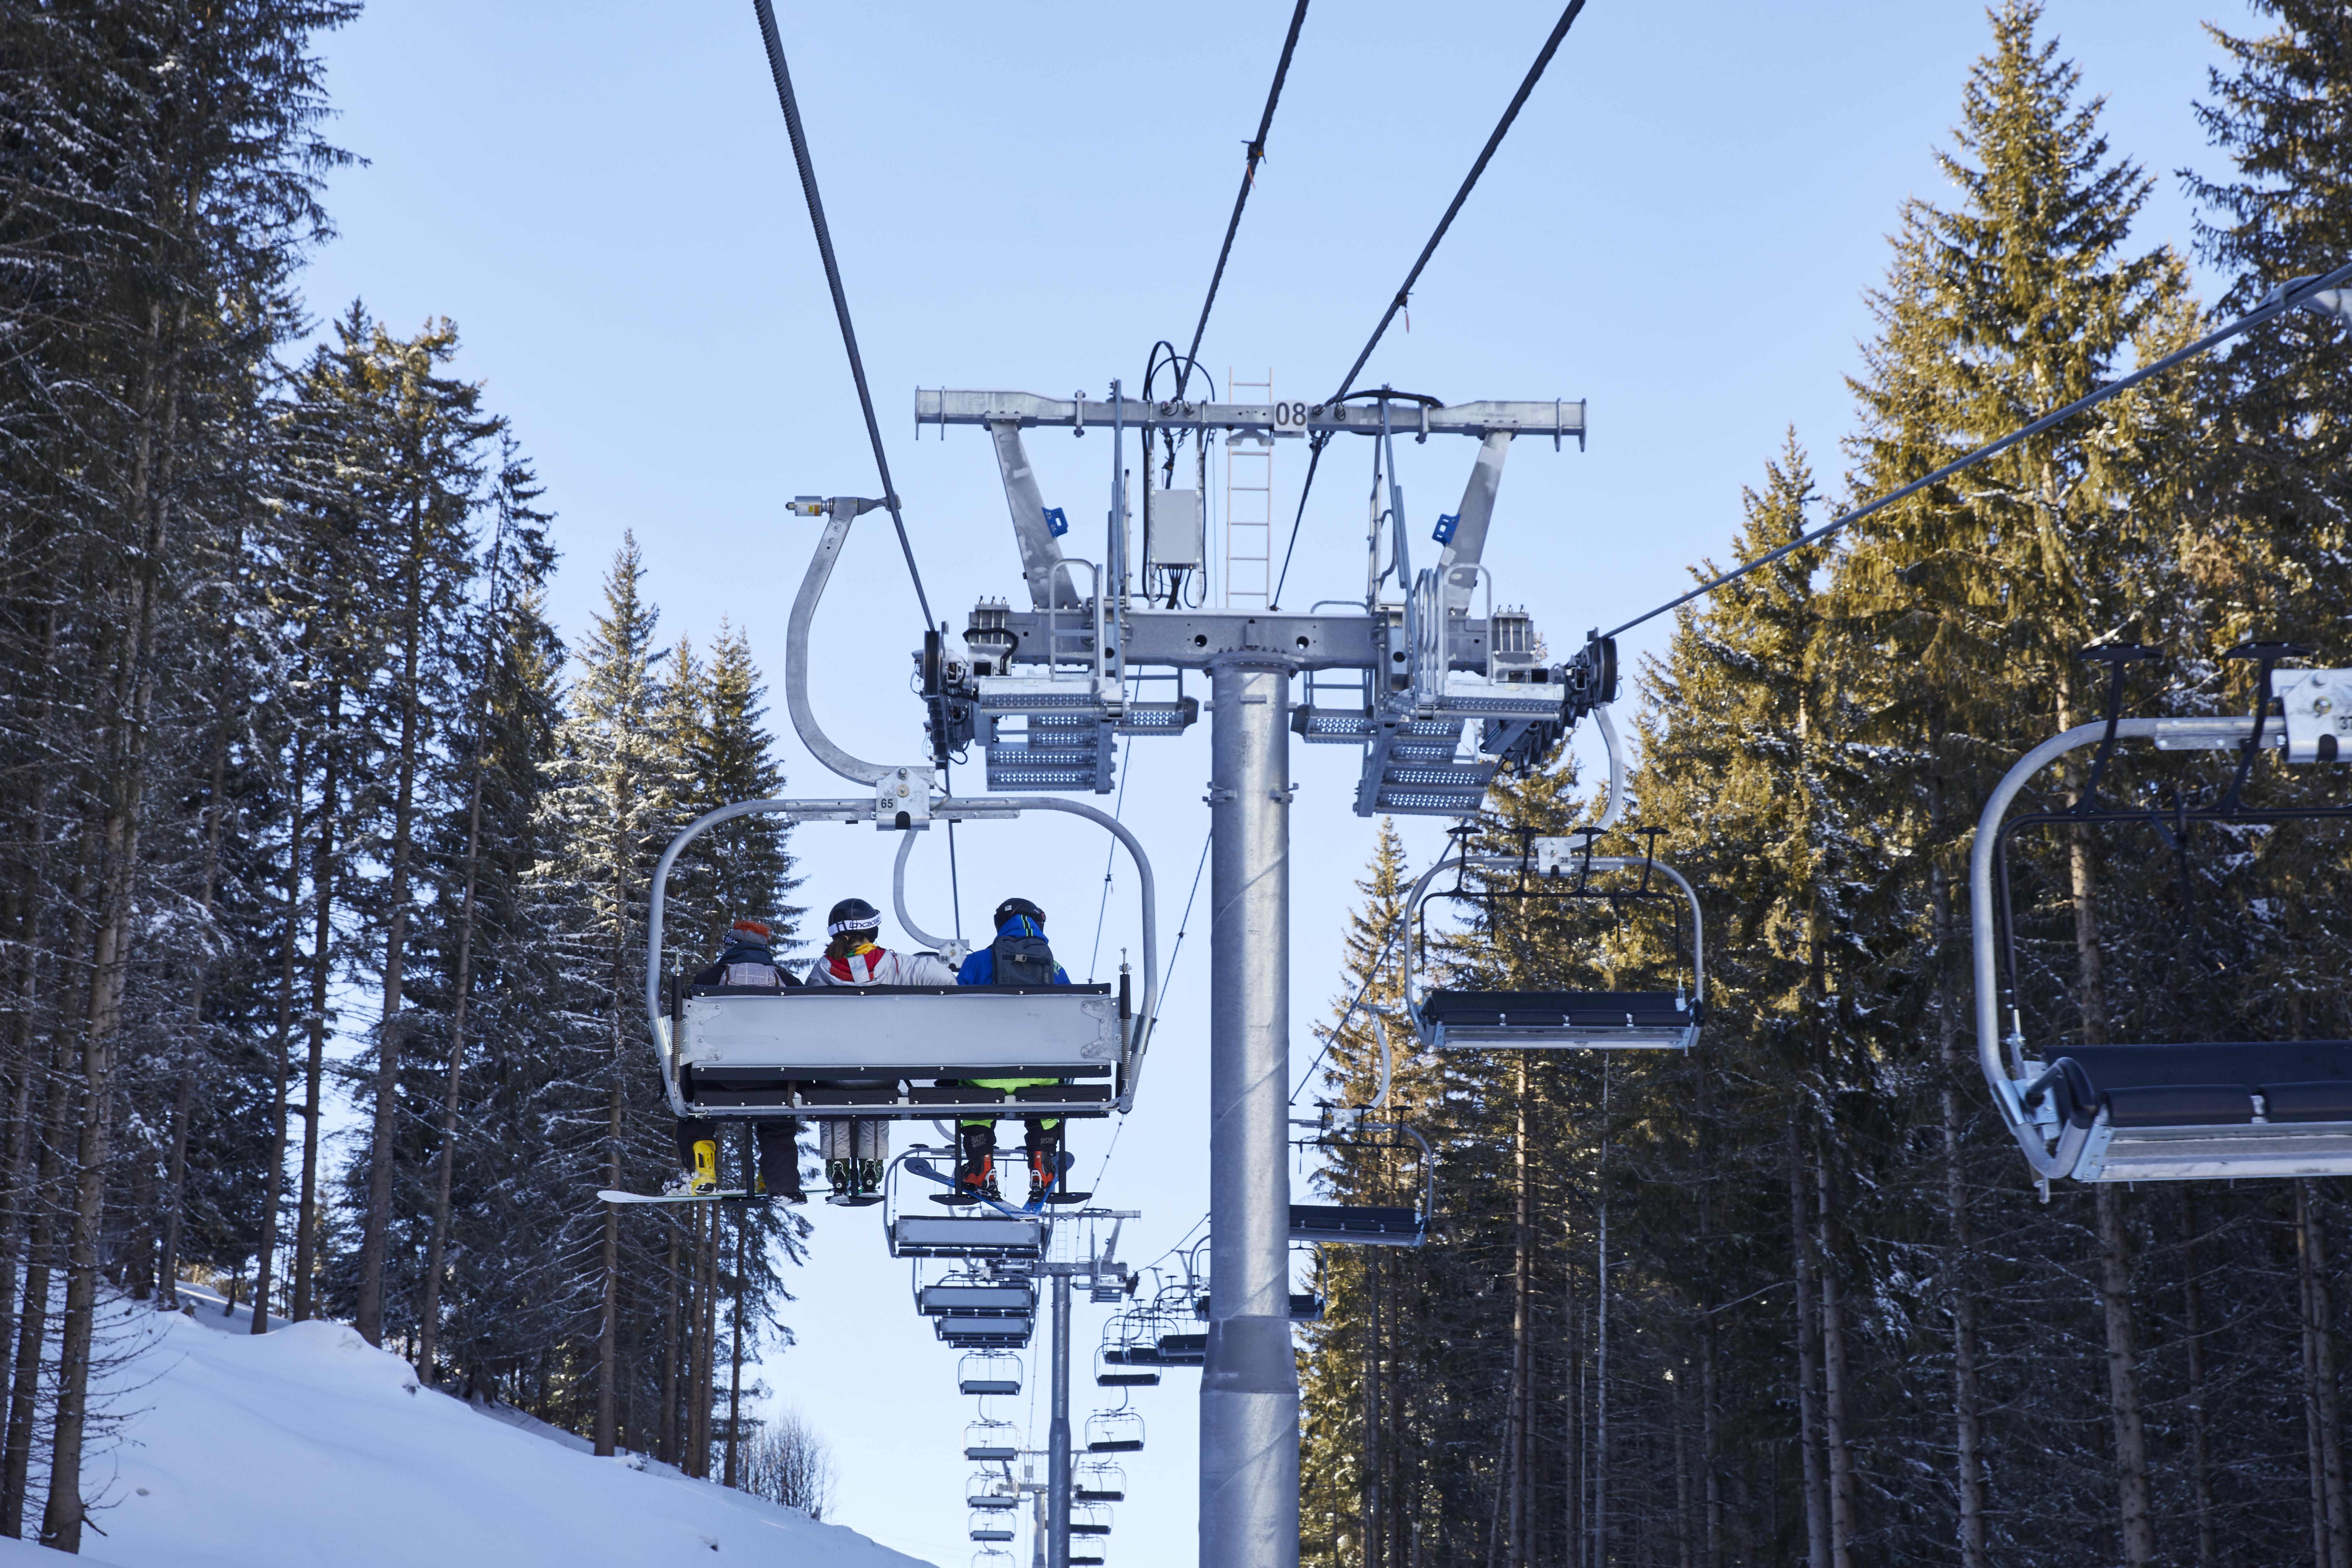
1113, 1367
991, 1489
1116, 1431
984, 1333
991, 1557
1085, 1554
1098, 1480
885, 1051
1365, 1225
974, 1234
990, 1439
2164, 1112
989, 1524
1558, 868
1089, 1519
988, 1372
975, 1296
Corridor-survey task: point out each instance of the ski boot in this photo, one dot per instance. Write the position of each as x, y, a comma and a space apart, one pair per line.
869, 1178
841, 1175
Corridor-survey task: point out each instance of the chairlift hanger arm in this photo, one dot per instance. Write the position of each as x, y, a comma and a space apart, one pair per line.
2220, 735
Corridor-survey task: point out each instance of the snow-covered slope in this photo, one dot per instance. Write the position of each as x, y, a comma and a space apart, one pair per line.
305, 1446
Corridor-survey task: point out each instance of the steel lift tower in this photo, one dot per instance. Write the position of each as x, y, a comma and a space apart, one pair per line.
1436, 685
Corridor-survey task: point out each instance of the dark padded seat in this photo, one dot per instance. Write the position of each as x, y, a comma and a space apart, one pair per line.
1337, 1222
2207, 1085
1555, 1010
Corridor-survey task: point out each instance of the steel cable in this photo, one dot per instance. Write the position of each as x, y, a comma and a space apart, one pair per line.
2287, 299
784, 96
1485, 155
1249, 178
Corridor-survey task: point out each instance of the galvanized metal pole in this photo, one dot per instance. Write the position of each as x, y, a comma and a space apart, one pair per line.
1057, 1441
1249, 1387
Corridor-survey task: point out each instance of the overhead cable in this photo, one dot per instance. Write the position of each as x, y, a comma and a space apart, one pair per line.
1404, 291
1249, 178
833, 278
2282, 300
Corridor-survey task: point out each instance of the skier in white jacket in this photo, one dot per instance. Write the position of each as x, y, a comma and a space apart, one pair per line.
857, 1148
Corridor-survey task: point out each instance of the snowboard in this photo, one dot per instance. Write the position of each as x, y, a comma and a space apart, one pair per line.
609, 1197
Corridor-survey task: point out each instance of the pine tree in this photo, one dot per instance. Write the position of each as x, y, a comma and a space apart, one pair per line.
605, 822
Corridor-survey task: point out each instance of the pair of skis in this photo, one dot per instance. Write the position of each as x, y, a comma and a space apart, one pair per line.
964, 1193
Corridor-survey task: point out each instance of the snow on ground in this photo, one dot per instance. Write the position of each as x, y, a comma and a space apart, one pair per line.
305, 1446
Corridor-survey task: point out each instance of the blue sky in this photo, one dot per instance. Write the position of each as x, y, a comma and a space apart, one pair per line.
1680, 230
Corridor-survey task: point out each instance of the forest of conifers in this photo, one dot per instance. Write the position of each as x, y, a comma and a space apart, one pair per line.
304, 806
1794, 1298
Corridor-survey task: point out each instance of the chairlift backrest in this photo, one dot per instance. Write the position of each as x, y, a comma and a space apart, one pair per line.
2162, 1112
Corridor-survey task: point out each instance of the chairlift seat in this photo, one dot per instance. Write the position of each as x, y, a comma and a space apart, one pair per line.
972, 1299
991, 1533
991, 1451
1182, 1350
1360, 1225
968, 1236
2207, 1110
882, 1050
1084, 1493
1577, 1020
984, 1333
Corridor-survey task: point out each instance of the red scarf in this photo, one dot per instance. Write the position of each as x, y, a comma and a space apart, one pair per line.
840, 967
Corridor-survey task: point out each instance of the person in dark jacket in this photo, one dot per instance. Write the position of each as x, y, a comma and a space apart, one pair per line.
1019, 956
747, 962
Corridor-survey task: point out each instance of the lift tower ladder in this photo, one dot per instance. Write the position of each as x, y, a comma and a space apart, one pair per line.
1249, 504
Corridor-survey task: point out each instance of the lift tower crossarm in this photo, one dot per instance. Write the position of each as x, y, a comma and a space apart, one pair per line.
1556, 417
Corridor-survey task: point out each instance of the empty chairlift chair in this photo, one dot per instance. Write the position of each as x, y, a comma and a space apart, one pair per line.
2128, 1112
989, 1524
988, 1439
988, 1372
1098, 1480
991, 1489
1366, 1225
1562, 871
992, 1557
1114, 1365
1089, 1519
1116, 1431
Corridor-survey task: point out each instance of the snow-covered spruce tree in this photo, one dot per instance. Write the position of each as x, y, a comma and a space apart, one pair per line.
160, 189
617, 780
1960, 614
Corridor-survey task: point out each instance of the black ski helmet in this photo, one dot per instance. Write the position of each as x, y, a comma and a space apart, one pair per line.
852, 915
1011, 907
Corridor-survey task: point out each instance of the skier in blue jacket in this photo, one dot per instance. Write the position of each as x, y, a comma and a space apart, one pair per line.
1019, 956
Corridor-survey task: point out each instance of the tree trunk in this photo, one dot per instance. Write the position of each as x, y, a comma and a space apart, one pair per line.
1369, 1501
608, 1334
1968, 1416
123, 748
2123, 1381
1522, 1325
1808, 1420
323, 950
376, 1225
428, 1312
672, 1328
33, 1320
735, 1350
2332, 1529
1837, 1430
184, 1097
2192, 1328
